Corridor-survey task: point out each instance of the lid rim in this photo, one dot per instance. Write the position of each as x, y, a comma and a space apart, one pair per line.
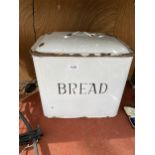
60, 54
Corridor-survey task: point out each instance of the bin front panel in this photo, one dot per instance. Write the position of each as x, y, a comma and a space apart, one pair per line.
73, 87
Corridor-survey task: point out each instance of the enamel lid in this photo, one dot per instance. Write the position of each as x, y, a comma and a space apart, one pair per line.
83, 43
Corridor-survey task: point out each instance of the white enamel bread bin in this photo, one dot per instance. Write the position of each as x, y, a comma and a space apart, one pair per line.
81, 74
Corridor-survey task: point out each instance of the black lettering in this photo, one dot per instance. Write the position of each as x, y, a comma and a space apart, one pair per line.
103, 88
61, 88
82, 88
92, 88
72, 88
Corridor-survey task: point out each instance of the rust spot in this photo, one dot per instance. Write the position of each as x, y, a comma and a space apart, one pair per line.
41, 44
91, 54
